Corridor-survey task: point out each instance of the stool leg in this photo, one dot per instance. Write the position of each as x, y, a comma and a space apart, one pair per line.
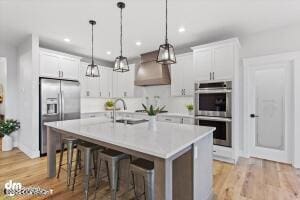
114, 179
108, 176
98, 173
69, 161
133, 183
86, 177
77, 163
60, 158
149, 189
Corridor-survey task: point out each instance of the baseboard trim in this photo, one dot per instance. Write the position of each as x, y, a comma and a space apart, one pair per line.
29, 152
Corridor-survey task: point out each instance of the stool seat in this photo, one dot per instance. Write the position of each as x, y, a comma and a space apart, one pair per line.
113, 155
142, 164
82, 145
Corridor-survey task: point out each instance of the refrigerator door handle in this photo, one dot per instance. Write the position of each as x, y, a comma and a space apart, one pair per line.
59, 105
62, 106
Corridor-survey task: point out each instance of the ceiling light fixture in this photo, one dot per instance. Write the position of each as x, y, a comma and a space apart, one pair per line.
108, 52
92, 69
166, 53
67, 40
121, 63
138, 43
181, 30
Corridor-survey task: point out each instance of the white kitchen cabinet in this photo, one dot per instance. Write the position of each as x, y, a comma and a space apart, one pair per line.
216, 61
203, 64
69, 68
182, 76
58, 65
123, 83
49, 64
106, 82
188, 120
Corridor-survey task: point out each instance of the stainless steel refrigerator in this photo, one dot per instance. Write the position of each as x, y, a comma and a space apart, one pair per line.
59, 100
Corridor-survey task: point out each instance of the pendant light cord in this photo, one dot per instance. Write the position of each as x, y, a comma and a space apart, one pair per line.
166, 39
92, 45
121, 30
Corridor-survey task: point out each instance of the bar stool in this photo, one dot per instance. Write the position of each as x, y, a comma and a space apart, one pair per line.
70, 143
89, 153
112, 159
145, 169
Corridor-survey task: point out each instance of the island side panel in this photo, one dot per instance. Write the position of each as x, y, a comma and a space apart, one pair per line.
203, 168
52, 137
163, 179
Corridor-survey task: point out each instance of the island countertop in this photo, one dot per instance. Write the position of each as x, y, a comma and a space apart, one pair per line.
169, 139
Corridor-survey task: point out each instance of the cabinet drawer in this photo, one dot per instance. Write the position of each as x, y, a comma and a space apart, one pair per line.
169, 119
188, 120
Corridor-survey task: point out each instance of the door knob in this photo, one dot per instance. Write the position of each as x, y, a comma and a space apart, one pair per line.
253, 115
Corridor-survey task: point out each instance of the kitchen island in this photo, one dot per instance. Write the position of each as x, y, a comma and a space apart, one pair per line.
182, 154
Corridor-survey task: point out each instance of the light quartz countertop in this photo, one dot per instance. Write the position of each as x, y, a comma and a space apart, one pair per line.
169, 139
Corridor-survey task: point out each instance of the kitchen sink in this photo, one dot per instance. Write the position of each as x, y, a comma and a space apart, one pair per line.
131, 121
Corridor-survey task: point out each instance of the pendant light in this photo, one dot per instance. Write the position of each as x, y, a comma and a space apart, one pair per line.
92, 69
121, 63
166, 53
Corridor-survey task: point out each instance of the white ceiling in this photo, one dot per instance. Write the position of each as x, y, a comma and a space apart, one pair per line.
204, 20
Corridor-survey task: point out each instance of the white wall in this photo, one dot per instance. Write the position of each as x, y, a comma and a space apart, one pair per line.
3, 75
11, 106
28, 63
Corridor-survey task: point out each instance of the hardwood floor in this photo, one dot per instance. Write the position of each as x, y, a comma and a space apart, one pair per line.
251, 179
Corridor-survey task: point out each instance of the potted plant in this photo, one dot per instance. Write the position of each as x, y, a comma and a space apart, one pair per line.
190, 108
109, 105
6, 128
152, 112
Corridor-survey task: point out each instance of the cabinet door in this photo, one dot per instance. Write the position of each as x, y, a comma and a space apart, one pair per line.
106, 82
188, 75
69, 67
82, 79
129, 81
49, 65
202, 64
176, 77
115, 76
187, 120
223, 61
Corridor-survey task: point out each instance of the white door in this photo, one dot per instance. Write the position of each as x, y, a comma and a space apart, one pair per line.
49, 65
69, 67
223, 62
270, 111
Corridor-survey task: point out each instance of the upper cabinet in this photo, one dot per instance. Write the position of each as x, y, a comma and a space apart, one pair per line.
182, 75
123, 83
58, 65
106, 82
216, 61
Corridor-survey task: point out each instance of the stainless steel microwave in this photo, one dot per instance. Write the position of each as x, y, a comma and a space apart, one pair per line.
213, 98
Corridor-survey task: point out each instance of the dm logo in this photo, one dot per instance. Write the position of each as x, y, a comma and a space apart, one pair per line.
10, 187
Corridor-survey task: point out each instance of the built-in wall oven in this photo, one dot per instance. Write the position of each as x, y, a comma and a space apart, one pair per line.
213, 98
213, 108
222, 134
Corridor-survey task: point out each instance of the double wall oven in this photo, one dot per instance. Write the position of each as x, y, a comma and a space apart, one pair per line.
213, 108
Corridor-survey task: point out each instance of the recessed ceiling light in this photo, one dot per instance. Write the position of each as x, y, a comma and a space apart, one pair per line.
181, 30
67, 40
108, 52
138, 43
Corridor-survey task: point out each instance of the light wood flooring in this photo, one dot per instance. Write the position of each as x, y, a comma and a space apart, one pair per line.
252, 178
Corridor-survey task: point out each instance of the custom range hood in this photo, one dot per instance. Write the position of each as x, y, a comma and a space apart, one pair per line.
150, 72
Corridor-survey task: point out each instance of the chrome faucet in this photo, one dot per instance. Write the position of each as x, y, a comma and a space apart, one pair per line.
114, 110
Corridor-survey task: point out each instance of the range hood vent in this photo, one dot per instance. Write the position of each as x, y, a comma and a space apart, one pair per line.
152, 73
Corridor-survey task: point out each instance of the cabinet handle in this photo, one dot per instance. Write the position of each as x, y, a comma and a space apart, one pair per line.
210, 76
87, 93
108, 94
181, 92
62, 74
125, 94
184, 92
100, 94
